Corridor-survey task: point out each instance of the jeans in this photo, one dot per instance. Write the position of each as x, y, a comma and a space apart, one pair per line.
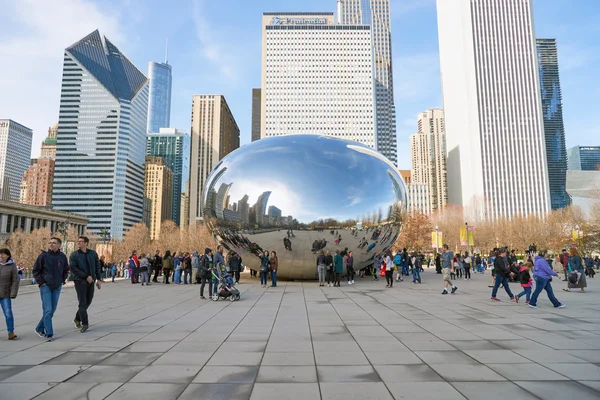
321, 273
49, 303
480, 268
527, 292
126, 273
85, 295
8, 314
273, 278
501, 279
186, 276
416, 275
543, 284
203, 282
113, 274
177, 276
166, 275
467, 271
263, 277
389, 278
405, 268
350, 272
144, 277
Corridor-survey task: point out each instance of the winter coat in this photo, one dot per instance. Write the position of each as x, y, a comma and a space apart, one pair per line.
9, 280
338, 262
575, 264
167, 263
85, 264
525, 277
274, 263
51, 268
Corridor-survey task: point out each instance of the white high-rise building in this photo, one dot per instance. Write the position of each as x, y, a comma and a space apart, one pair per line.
428, 156
317, 78
494, 128
376, 13
15, 148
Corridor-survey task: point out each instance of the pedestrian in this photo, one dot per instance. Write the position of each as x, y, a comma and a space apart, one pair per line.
321, 268
274, 264
264, 268
542, 275
576, 276
389, 271
398, 267
50, 272
204, 272
9, 288
447, 269
177, 268
526, 281
144, 267
405, 262
235, 263
113, 272
187, 268
338, 263
350, 267
329, 268
157, 266
167, 266
134, 267
86, 270
219, 262
467, 266
417, 263
502, 271
195, 266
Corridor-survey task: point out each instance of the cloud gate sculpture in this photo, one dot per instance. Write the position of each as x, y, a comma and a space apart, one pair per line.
300, 194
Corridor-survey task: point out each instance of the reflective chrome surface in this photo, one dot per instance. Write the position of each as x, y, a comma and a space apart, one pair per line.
287, 193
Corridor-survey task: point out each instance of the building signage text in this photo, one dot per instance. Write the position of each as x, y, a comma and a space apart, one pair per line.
298, 21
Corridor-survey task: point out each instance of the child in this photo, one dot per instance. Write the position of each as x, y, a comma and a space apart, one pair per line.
526, 280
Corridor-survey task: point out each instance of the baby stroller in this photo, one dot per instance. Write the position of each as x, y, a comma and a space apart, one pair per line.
225, 288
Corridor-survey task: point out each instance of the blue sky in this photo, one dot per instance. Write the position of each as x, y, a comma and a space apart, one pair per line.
215, 47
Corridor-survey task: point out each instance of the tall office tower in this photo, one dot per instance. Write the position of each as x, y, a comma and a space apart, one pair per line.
101, 136
184, 214
584, 158
256, 95
214, 134
417, 198
159, 95
554, 127
158, 189
377, 14
492, 107
428, 155
49, 144
174, 147
317, 78
37, 182
15, 149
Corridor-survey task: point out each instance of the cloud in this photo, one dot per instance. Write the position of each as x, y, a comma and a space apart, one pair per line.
212, 50
35, 34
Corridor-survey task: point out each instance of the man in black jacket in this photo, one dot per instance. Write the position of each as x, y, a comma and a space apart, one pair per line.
86, 270
502, 271
50, 273
157, 266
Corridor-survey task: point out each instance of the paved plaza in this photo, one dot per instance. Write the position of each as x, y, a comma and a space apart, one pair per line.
302, 341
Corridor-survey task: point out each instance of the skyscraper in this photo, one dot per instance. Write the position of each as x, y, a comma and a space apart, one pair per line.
377, 14
174, 147
256, 95
584, 158
158, 189
214, 134
428, 157
492, 107
15, 149
159, 96
317, 78
49, 144
101, 136
554, 127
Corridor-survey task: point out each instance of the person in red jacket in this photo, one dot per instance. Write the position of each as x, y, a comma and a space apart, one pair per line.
564, 260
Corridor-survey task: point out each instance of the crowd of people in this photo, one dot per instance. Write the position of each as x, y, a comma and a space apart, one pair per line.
52, 269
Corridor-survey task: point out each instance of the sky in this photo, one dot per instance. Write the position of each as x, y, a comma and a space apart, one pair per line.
215, 48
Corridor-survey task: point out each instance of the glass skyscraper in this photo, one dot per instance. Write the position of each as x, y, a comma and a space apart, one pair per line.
101, 136
377, 14
584, 158
159, 98
174, 147
554, 128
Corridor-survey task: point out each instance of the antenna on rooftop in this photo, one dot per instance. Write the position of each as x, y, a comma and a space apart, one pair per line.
167, 52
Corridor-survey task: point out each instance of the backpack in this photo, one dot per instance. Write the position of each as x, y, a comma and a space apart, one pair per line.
397, 259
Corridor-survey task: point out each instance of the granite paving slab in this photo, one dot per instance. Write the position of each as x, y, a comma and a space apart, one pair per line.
147, 391
354, 391
78, 391
227, 374
559, 390
212, 391
492, 391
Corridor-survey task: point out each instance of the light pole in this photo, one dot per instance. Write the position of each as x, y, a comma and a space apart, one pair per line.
436, 241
